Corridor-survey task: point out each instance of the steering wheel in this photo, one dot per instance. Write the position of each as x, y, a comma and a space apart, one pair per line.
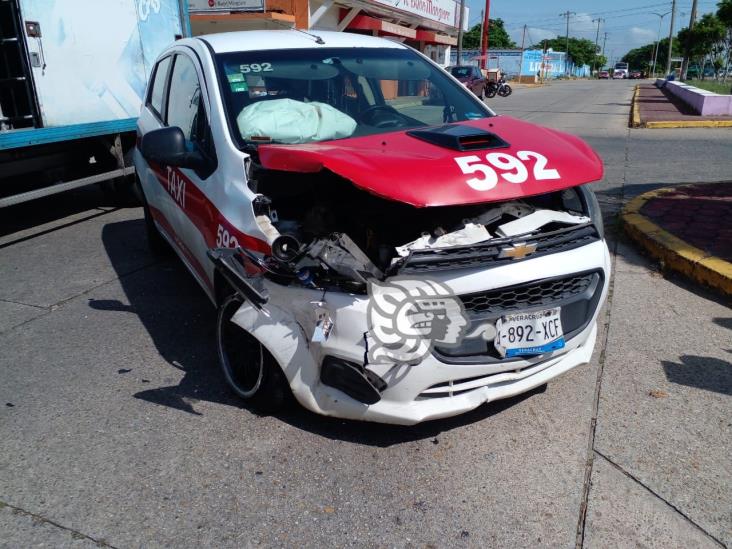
370, 116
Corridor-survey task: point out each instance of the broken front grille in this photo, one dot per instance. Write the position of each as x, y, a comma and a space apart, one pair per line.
546, 293
487, 254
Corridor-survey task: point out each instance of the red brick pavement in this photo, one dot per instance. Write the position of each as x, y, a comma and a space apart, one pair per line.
700, 215
656, 104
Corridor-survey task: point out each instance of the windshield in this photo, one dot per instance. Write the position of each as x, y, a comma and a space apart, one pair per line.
302, 96
621, 65
461, 72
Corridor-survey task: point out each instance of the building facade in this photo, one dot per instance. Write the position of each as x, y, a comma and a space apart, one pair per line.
430, 26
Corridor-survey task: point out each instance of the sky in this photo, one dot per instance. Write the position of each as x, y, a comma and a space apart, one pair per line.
628, 23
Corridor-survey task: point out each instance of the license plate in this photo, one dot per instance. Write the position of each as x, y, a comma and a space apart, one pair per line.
530, 333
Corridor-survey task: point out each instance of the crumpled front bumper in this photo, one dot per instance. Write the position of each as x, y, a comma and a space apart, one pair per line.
431, 389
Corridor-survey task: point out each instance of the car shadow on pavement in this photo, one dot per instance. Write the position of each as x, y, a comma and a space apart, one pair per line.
177, 315
708, 373
180, 320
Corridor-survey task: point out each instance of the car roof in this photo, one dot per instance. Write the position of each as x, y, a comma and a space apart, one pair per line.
258, 40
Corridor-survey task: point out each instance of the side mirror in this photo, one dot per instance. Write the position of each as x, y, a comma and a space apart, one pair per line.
167, 146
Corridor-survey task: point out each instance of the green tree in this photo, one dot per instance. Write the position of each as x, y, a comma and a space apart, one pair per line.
724, 14
498, 38
700, 41
642, 57
581, 50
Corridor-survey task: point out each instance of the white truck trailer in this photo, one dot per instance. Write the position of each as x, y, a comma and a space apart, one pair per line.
72, 77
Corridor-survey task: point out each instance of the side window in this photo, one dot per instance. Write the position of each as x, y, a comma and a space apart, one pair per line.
184, 99
158, 87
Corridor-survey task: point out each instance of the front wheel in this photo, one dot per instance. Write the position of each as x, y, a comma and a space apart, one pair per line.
505, 91
249, 368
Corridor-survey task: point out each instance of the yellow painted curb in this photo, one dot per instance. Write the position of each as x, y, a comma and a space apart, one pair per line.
672, 251
636, 119
689, 124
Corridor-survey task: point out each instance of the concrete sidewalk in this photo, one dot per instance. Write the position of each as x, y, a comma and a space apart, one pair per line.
689, 229
655, 108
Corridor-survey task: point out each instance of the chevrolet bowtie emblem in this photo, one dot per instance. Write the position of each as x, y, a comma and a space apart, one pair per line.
518, 251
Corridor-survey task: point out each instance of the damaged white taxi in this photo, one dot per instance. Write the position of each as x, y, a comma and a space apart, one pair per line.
377, 241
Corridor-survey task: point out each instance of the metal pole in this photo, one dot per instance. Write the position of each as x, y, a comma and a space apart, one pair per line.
658, 39
671, 37
687, 52
484, 36
597, 39
521, 63
460, 34
566, 55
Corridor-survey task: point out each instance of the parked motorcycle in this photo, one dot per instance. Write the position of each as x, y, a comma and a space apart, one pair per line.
498, 88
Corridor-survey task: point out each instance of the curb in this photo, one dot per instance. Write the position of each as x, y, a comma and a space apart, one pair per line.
635, 119
673, 252
636, 122
689, 124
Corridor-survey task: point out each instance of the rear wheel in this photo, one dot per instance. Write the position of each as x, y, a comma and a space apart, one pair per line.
249, 368
491, 92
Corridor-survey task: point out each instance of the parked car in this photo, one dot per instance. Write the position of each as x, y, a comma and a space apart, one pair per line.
471, 77
380, 257
635, 74
604, 74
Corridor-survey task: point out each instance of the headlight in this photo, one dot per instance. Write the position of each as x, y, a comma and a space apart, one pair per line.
592, 207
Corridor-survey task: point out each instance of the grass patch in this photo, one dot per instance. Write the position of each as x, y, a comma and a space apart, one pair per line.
712, 85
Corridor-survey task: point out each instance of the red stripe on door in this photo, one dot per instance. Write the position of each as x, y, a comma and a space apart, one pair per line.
203, 213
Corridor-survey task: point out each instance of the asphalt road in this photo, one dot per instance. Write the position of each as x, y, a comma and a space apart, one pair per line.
116, 427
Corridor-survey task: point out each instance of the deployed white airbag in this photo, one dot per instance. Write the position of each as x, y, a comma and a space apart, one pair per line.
290, 121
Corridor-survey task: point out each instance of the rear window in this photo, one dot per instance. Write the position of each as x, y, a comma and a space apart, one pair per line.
158, 87
461, 72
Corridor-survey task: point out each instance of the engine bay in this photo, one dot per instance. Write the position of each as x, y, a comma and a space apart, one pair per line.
328, 232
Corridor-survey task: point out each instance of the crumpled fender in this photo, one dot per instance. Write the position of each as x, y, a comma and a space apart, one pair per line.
403, 168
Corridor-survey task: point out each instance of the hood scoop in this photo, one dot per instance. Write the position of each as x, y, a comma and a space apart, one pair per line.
459, 138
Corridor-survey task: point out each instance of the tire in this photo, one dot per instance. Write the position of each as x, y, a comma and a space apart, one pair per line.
505, 91
250, 370
491, 92
482, 94
155, 241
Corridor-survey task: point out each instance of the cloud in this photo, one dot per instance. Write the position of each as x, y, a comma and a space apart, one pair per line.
638, 35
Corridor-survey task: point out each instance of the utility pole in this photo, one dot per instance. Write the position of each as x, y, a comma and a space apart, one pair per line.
687, 52
671, 37
460, 34
484, 36
603, 44
567, 15
597, 38
521, 63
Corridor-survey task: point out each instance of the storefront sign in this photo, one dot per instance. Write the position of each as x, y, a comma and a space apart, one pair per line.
442, 11
204, 6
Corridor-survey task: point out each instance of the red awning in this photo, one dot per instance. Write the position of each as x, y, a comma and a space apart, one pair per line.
364, 22
433, 37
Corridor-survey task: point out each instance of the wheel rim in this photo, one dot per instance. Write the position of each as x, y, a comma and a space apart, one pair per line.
240, 354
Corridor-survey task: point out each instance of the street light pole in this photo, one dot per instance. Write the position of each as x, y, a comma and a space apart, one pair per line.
671, 37
658, 39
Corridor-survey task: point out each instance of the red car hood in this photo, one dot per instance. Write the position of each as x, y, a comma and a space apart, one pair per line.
403, 168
